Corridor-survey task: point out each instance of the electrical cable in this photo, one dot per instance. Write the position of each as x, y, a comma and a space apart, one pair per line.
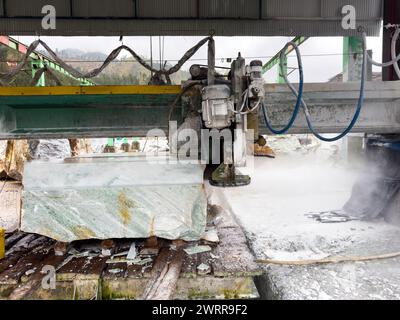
334, 260
245, 99
394, 44
6, 77
394, 60
255, 107
179, 96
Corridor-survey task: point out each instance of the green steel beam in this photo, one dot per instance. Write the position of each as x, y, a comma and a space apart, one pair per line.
94, 111
41, 59
275, 60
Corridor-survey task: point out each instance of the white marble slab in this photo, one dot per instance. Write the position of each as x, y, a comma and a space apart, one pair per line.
113, 197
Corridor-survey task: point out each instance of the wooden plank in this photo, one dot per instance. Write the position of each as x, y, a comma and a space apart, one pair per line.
84, 268
165, 275
29, 242
20, 249
25, 263
9, 261
31, 283
14, 238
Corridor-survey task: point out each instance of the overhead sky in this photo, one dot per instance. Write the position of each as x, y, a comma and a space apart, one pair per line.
322, 57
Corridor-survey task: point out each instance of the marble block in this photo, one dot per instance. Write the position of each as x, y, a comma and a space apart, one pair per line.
113, 196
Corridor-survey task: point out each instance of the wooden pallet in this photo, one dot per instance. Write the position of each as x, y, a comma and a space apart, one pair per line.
231, 276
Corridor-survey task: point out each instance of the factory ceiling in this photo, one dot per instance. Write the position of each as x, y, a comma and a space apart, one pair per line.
188, 17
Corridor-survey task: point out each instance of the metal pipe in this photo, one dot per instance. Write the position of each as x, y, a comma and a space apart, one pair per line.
211, 62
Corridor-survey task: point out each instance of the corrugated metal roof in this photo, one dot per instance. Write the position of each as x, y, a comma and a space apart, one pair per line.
189, 17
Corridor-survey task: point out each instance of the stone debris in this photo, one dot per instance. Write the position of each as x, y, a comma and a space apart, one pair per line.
331, 216
30, 271
132, 253
83, 265
213, 256
116, 260
115, 271
211, 235
197, 249
106, 252
120, 254
203, 269
140, 261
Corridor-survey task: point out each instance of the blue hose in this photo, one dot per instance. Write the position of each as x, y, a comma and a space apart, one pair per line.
355, 117
299, 96
306, 111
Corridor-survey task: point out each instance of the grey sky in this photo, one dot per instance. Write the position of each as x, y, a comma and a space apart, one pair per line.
316, 69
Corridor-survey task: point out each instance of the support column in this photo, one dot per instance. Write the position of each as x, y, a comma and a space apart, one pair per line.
352, 59
391, 15
352, 67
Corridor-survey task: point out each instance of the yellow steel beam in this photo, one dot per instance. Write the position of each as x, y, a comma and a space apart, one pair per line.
2, 244
88, 90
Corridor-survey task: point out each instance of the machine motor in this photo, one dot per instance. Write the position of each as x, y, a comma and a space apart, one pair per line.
217, 106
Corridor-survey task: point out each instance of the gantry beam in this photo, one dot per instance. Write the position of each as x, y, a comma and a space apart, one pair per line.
117, 111
332, 106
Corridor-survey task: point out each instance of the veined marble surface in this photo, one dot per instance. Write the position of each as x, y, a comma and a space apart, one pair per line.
113, 197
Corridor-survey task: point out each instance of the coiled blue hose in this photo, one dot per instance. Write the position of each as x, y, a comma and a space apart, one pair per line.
299, 95
356, 114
